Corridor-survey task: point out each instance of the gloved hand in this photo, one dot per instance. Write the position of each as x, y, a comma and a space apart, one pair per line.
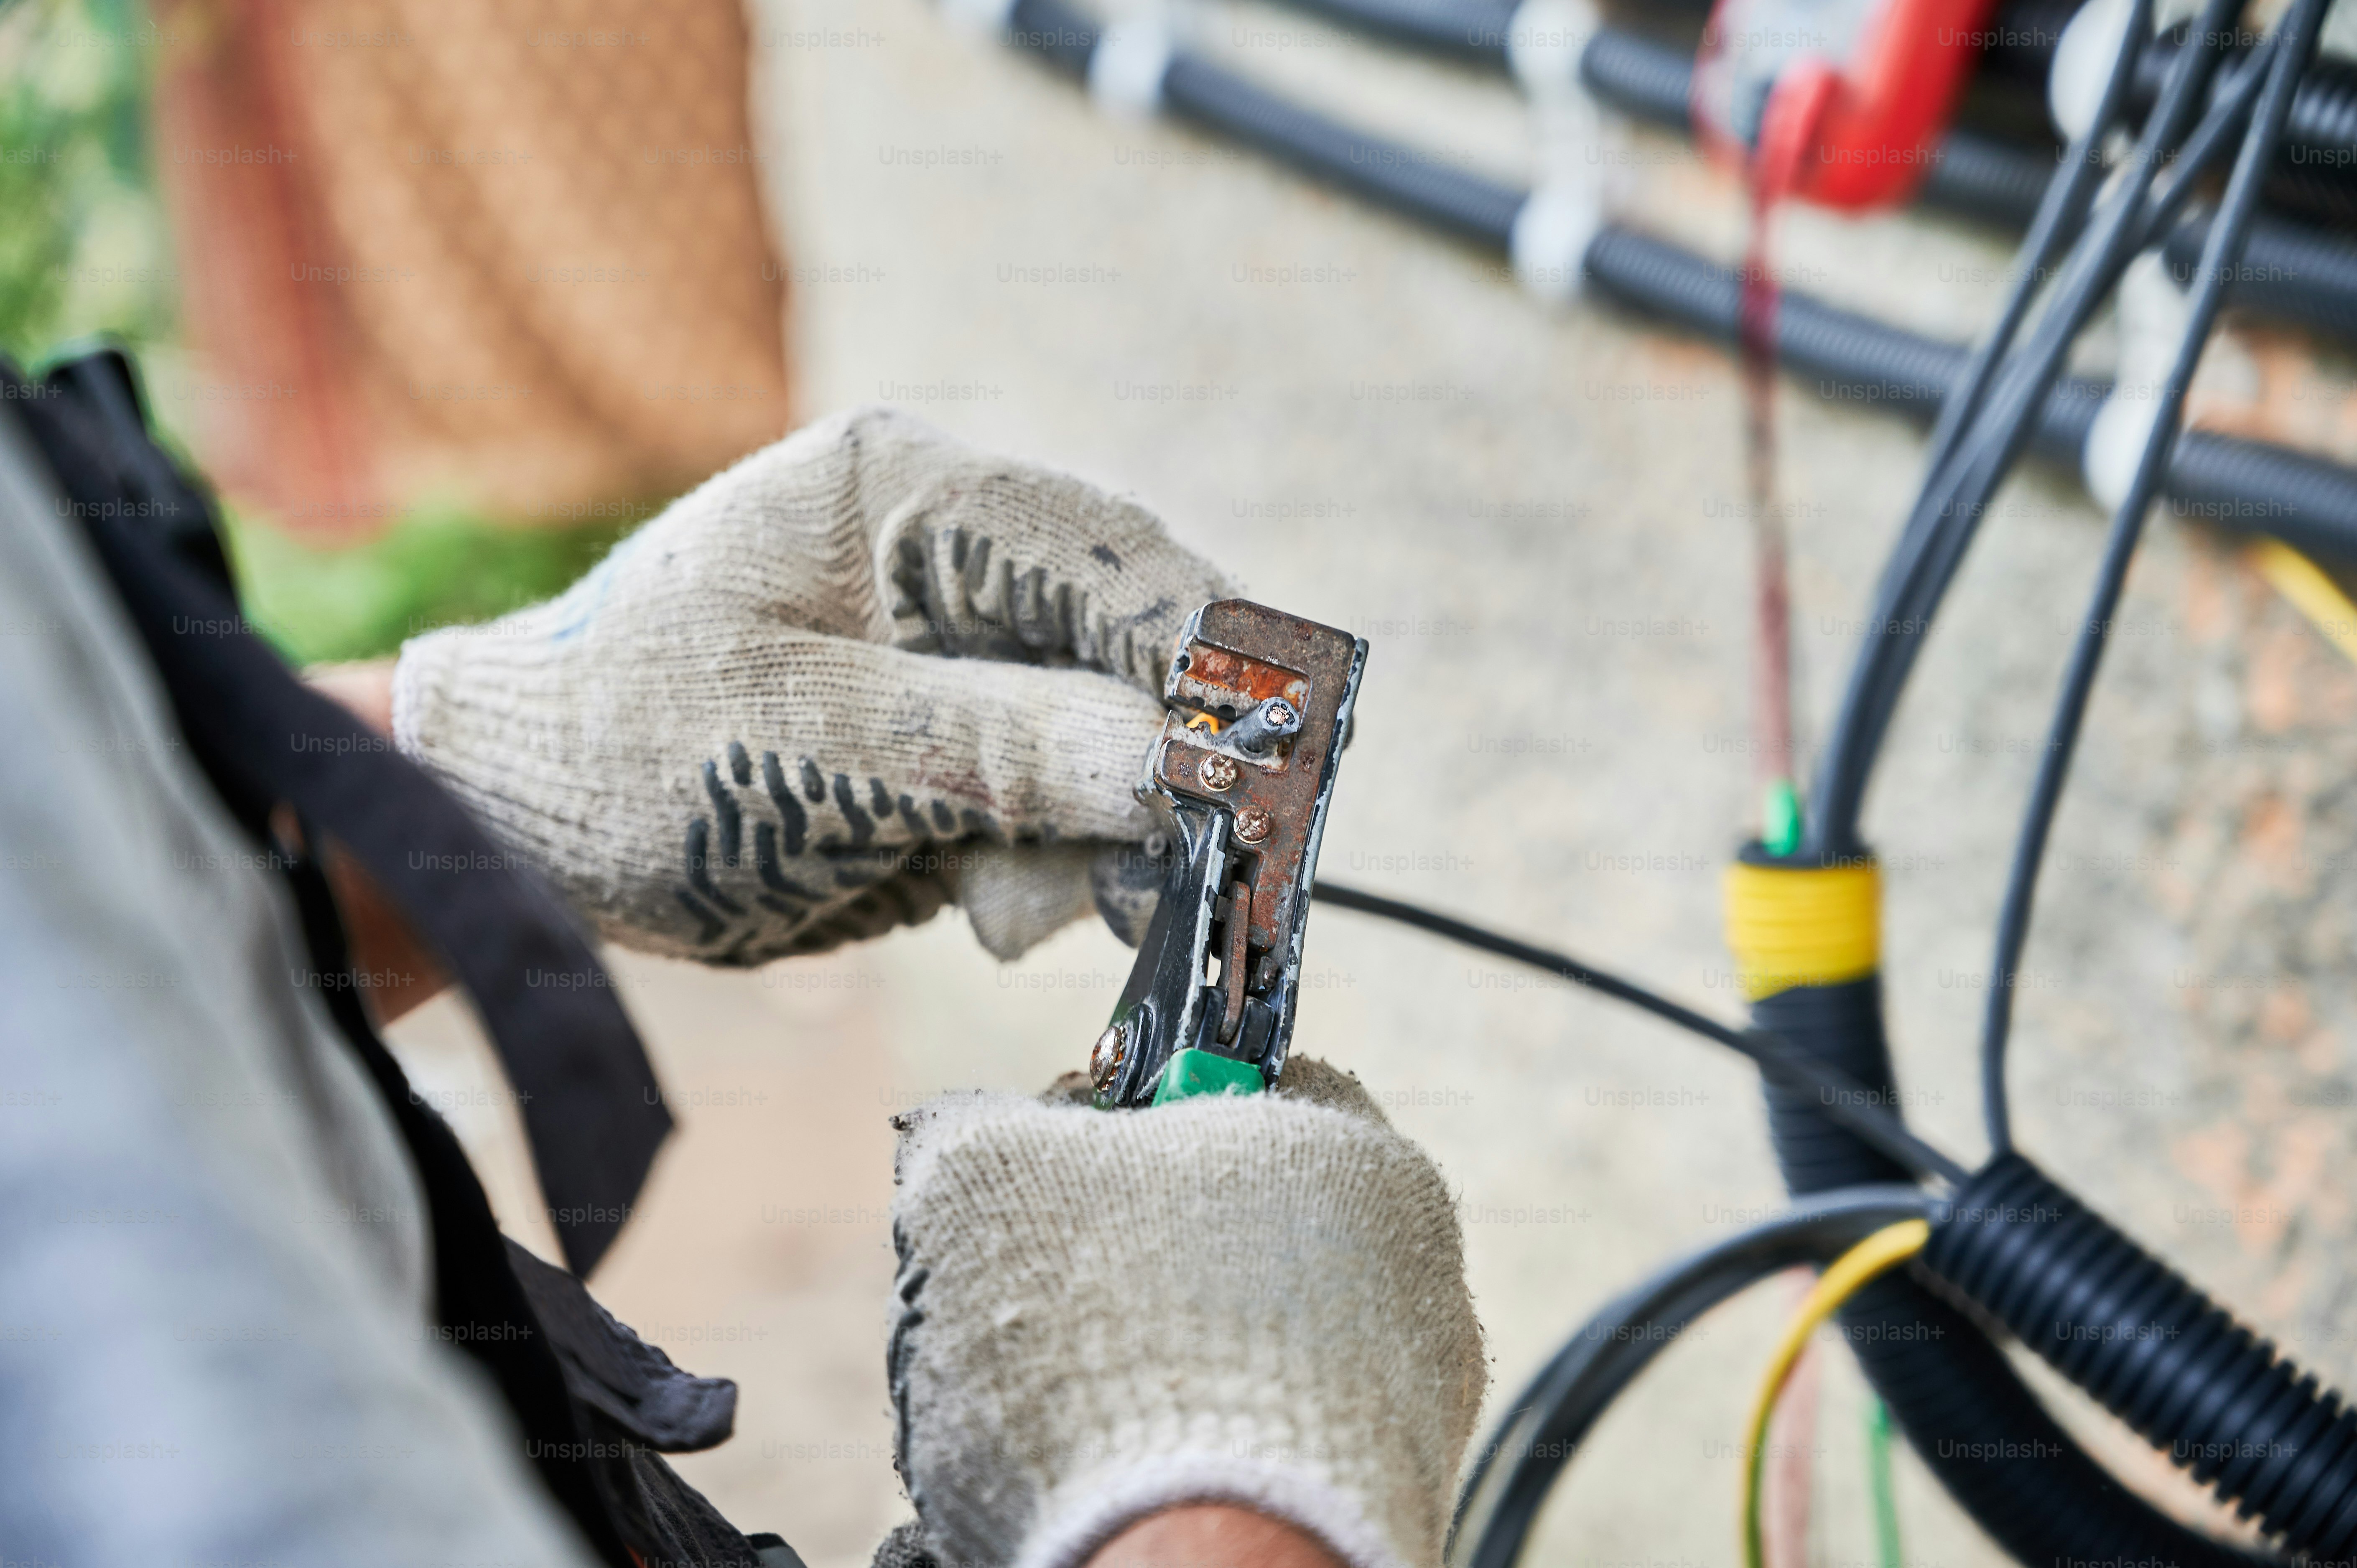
1256, 1300
863, 672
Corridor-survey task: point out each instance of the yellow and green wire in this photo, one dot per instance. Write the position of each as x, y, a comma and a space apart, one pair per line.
1877, 1255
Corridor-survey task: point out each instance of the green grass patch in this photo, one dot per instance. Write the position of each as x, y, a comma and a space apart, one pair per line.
431, 568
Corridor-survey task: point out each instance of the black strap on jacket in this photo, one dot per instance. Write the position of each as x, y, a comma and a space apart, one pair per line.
480, 1308
595, 1406
591, 1108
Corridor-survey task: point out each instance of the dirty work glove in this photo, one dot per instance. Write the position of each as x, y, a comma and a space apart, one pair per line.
863, 672
1257, 1300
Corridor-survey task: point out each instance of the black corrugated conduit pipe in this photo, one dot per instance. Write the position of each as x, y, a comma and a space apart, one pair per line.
2244, 486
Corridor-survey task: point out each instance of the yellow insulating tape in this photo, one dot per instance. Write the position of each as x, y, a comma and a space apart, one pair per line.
1790, 925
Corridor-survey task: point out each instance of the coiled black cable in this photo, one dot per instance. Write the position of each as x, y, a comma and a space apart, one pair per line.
1987, 1436
1954, 1393
1963, 1408
2265, 490
1644, 78
1545, 1425
1962, 1405
2155, 1352
1980, 1420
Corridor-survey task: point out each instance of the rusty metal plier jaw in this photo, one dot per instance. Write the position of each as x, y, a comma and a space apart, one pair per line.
1257, 705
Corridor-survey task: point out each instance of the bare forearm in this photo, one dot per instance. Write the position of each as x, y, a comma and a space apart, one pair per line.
1212, 1535
366, 688
398, 971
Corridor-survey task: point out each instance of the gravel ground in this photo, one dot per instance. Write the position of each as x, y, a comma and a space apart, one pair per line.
1538, 521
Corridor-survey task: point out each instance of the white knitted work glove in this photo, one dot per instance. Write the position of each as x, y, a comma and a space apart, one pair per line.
864, 671
1257, 1300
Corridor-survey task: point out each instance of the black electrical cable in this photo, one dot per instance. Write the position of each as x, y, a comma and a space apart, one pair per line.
1955, 491
1388, 173
1854, 1105
2220, 252
1949, 510
1643, 79
2297, 273
2060, 212
2228, 115
1954, 1393
1546, 1424
2093, 268
2137, 1336
2314, 159
1950, 505
2237, 484
1987, 180
2053, 1501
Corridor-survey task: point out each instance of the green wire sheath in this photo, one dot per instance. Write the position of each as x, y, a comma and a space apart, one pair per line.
1887, 1549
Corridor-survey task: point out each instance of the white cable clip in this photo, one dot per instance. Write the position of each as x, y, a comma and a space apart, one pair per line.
2115, 444
2153, 314
1553, 229
1573, 147
1126, 68
2090, 41
1545, 40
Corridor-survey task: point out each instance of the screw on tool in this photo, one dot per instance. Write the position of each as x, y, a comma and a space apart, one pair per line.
1104, 1062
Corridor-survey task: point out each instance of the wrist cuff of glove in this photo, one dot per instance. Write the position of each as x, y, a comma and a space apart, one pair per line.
1096, 1506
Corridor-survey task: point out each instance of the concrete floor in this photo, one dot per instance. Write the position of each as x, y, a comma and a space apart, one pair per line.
1537, 521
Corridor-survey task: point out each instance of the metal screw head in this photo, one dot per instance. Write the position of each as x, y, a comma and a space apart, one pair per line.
1253, 824
1217, 772
1278, 714
1105, 1059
